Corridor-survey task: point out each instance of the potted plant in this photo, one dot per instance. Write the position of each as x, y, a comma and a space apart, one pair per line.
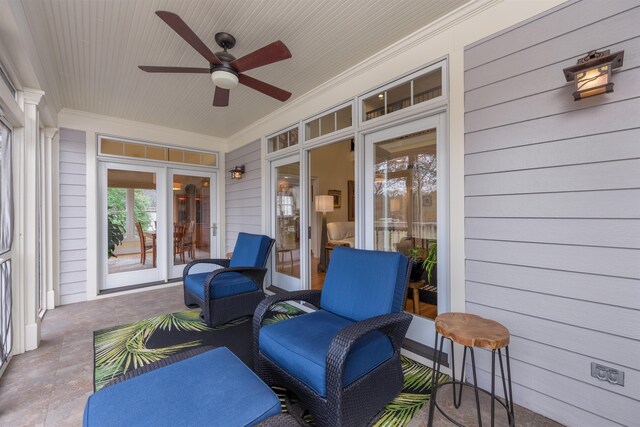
430, 264
115, 234
418, 256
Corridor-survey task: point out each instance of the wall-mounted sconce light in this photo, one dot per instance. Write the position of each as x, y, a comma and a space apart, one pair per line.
592, 73
236, 173
177, 186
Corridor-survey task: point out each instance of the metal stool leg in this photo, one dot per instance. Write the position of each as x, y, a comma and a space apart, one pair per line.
434, 384
464, 359
504, 387
493, 386
475, 386
513, 414
453, 372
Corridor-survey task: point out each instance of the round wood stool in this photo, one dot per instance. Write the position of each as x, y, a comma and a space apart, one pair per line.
472, 331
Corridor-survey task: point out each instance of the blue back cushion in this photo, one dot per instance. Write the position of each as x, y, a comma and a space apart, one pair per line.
252, 250
362, 284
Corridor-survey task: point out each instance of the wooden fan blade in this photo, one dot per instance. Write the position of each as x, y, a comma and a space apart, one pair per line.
183, 30
221, 97
269, 54
266, 88
154, 69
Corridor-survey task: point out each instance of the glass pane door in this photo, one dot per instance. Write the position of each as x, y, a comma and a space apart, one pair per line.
406, 209
332, 223
193, 225
286, 214
131, 201
405, 213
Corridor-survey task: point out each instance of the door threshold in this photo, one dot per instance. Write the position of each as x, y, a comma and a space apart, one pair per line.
138, 287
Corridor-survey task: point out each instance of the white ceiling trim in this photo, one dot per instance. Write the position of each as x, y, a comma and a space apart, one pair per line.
114, 126
452, 19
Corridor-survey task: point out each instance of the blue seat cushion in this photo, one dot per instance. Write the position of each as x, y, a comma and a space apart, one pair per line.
300, 346
224, 285
213, 389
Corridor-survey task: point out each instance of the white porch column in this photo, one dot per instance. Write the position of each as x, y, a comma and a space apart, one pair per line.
27, 206
50, 233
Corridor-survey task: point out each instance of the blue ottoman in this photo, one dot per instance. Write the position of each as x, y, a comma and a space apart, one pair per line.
213, 388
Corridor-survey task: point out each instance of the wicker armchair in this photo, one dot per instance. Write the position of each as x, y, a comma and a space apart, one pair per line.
228, 289
342, 360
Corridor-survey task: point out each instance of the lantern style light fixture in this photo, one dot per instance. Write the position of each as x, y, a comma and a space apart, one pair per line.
236, 173
592, 74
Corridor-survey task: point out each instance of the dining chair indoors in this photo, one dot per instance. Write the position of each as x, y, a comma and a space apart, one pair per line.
144, 246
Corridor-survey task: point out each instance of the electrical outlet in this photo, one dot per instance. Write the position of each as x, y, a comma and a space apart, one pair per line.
605, 373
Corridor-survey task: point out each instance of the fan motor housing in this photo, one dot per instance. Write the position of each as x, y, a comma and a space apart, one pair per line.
223, 67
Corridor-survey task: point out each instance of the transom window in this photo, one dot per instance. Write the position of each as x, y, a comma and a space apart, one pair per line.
328, 123
140, 150
402, 95
283, 140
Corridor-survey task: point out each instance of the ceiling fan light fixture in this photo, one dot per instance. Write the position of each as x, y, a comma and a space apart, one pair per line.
224, 79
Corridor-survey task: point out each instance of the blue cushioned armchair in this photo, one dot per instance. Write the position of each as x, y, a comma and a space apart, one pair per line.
342, 360
233, 291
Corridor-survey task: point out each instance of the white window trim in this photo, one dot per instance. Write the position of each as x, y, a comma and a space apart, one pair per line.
113, 157
413, 109
338, 107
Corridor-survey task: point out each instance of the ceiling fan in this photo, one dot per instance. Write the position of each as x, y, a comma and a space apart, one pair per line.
226, 71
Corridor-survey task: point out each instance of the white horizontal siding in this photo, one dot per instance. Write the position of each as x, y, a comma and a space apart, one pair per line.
621, 292
243, 202
73, 216
552, 210
614, 24
622, 204
589, 149
70, 298
614, 233
564, 20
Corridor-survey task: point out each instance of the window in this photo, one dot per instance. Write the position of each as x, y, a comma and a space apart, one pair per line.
408, 93
283, 140
328, 123
123, 148
6, 240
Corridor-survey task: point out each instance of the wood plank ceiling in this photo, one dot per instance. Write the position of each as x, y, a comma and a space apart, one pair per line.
95, 47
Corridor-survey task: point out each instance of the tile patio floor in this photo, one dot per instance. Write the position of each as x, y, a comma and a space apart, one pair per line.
49, 386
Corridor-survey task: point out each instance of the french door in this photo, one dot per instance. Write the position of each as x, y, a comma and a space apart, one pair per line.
154, 220
285, 217
133, 249
406, 209
192, 223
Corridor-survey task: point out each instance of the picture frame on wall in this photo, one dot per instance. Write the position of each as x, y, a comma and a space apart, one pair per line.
337, 198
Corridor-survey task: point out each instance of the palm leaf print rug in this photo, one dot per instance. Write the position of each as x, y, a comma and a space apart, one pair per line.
120, 349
